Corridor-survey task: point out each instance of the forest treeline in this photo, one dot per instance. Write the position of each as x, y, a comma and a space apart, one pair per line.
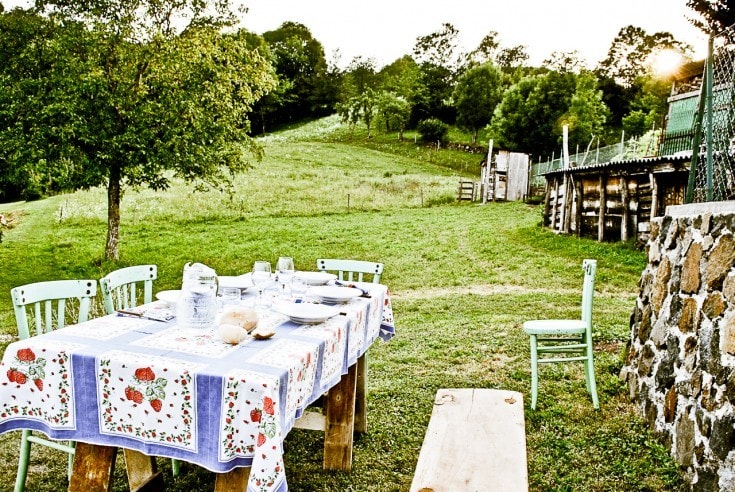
115, 92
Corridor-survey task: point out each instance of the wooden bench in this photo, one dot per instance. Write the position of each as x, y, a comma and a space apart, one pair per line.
476, 441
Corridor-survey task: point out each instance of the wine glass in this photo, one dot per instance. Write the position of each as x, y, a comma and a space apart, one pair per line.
261, 276
285, 270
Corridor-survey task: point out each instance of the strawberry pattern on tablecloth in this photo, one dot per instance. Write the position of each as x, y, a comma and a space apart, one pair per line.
42, 379
139, 399
299, 358
332, 332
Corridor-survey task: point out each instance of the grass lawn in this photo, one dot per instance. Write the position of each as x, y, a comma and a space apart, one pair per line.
463, 278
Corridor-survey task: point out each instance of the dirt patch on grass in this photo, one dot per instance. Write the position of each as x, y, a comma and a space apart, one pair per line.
494, 289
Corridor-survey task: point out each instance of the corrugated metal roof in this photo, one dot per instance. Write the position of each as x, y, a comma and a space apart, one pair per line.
678, 158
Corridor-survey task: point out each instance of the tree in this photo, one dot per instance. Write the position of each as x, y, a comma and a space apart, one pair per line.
478, 91
439, 48
714, 16
138, 87
532, 112
486, 51
302, 67
629, 55
359, 108
393, 111
569, 61
587, 114
400, 77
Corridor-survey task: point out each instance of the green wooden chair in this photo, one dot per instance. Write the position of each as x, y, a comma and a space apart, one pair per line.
39, 308
352, 270
120, 287
355, 271
566, 340
120, 290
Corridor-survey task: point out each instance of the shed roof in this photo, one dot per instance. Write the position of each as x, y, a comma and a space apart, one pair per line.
678, 158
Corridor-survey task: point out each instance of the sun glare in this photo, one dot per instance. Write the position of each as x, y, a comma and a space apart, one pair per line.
665, 62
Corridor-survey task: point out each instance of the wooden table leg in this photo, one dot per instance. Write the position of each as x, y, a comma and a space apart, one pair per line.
340, 423
361, 395
142, 472
92, 469
232, 481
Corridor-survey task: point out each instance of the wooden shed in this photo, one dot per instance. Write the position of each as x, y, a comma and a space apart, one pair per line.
506, 178
614, 201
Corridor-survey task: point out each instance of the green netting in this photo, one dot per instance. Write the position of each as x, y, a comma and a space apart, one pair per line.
713, 162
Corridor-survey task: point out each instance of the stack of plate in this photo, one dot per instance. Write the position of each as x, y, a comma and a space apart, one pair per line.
316, 278
241, 282
308, 314
333, 294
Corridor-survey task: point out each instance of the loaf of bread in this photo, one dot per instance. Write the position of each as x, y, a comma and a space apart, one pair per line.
243, 317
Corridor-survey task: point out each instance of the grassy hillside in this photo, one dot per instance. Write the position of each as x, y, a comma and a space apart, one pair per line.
463, 278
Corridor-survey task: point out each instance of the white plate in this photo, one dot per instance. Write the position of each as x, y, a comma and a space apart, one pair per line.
316, 278
239, 282
307, 313
331, 293
170, 297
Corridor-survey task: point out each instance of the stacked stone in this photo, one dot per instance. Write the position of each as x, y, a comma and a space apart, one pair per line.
680, 365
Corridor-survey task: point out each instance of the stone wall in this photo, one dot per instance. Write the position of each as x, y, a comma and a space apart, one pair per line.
680, 366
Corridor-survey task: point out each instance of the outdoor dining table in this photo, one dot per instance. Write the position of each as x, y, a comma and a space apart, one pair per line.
153, 388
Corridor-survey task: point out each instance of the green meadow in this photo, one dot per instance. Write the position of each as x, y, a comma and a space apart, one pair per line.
463, 277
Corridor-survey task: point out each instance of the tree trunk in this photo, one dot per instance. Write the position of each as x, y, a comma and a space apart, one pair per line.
112, 251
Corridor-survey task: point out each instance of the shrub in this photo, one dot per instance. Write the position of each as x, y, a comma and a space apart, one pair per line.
433, 130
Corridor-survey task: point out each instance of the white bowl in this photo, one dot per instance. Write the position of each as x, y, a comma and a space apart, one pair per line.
170, 297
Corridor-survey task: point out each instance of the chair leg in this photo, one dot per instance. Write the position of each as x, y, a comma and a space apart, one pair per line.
534, 372
24, 457
589, 373
70, 465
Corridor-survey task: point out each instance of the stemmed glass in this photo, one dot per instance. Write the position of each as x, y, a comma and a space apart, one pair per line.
285, 270
261, 276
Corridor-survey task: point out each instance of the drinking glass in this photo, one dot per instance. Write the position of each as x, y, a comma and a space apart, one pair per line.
285, 270
261, 276
298, 288
229, 295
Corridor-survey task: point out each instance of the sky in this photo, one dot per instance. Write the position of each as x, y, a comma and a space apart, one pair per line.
385, 30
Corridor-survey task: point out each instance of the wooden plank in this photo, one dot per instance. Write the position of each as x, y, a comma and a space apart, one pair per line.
476, 441
141, 469
601, 211
92, 469
579, 208
361, 395
547, 203
235, 480
568, 200
625, 219
340, 423
311, 421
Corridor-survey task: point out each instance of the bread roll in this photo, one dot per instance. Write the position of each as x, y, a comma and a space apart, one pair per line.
241, 316
233, 334
262, 333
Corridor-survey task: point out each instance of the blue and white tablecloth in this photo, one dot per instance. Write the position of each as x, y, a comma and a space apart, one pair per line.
166, 391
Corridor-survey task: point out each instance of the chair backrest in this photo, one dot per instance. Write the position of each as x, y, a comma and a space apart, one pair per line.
588, 290
119, 288
351, 270
48, 304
